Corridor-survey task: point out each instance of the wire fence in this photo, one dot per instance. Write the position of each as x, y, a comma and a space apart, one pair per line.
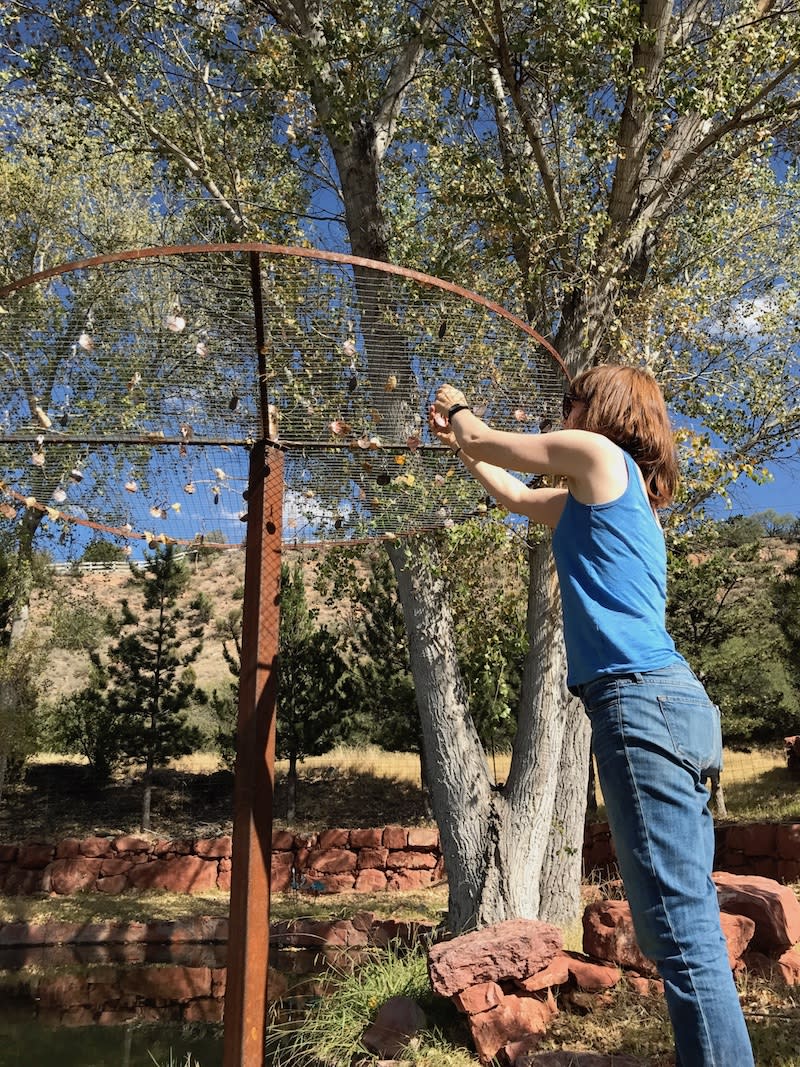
352, 783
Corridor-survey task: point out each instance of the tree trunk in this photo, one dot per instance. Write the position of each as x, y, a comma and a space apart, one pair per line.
533, 775
455, 763
291, 788
495, 840
562, 869
19, 623
718, 795
147, 796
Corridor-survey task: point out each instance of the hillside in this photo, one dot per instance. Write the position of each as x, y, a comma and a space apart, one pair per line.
220, 578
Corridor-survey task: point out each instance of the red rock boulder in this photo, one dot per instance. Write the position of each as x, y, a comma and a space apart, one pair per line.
608, 935
485, 973
515, 1019
74, 875
773, 907
184, 874
513, 949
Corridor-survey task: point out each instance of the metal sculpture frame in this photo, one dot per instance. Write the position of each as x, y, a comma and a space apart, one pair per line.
245, 1017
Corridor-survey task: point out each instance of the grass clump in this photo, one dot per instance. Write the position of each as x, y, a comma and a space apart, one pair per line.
189, 1061
152, 905
330, 1033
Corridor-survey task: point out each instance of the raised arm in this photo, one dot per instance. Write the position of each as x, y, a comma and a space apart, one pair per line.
592, 465
543, 505
564, 453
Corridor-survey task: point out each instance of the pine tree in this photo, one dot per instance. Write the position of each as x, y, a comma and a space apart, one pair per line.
151, 682
383, 689
728, 627
312, 705
786, 598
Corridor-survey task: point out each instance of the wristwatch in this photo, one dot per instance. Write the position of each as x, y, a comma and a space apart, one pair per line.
454, 410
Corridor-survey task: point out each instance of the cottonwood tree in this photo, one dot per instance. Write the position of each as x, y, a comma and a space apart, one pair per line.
619, 134
575, 145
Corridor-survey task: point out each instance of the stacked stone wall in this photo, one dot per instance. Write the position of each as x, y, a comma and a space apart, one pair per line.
771, 850
337, 860
332, 861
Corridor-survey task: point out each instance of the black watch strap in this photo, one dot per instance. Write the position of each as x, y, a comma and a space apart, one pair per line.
454, 410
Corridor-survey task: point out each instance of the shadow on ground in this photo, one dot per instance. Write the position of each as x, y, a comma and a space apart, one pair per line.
58, 800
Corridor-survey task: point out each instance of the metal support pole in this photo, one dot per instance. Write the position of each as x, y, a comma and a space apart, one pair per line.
248, 943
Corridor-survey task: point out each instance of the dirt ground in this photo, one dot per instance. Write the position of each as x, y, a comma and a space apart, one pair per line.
55, 800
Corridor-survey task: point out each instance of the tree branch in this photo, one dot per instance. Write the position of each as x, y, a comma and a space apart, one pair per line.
637, 115
528, 119
400, 77
687, 20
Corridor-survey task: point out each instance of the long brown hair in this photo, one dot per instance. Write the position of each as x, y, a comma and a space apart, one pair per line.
626, 405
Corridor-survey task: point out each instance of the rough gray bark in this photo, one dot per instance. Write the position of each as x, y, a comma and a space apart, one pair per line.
456, 770
562, 869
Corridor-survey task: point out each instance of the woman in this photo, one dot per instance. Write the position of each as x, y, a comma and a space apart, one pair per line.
655, 733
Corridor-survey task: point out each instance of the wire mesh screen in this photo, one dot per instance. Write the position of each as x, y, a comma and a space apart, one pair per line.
132, 390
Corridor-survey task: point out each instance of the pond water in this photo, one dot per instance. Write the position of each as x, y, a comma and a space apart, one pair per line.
132, 1005
29, 1044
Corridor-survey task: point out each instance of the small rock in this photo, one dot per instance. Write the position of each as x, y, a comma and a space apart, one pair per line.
516, 1018
396, 1024
592, 977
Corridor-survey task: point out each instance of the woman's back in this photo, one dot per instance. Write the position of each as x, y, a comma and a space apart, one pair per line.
611, 563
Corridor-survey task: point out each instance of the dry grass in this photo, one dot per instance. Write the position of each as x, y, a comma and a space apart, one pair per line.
193, 796
623, 1023
145, 906
427, 905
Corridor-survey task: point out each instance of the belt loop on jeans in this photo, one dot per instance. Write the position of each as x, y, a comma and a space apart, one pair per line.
583, 688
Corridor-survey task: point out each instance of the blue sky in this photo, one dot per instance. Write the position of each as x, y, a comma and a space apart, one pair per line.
782, 494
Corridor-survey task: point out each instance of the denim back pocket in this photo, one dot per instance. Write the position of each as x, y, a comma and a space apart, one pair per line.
693, 723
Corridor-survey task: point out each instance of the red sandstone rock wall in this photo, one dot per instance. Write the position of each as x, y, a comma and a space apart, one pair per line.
771, 850
332, 861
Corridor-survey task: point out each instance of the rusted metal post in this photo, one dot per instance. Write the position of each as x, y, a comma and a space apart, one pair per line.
248, 940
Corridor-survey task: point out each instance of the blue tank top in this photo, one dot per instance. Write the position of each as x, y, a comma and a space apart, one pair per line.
612, 567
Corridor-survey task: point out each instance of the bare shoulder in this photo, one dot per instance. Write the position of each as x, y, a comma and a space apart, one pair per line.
604, 476
576, 451
588, 444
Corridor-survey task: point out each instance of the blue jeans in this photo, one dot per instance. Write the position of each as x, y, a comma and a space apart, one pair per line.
655, 736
